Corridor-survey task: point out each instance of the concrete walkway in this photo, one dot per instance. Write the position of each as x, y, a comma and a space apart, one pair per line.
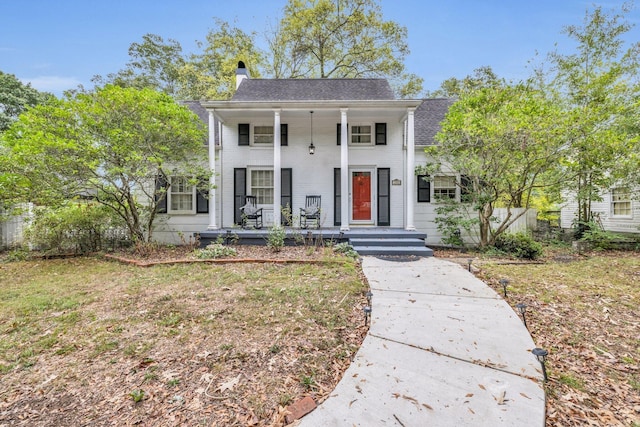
443, 350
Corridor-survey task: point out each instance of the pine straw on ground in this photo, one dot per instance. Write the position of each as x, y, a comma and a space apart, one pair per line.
86, 341
584, 309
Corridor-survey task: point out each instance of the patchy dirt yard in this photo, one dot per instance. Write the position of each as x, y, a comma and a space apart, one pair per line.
89, 341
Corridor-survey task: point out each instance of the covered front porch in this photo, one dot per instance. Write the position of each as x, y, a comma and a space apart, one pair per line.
365, 240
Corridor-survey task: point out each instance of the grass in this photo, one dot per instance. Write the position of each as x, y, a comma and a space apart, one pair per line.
178, 330
585, 312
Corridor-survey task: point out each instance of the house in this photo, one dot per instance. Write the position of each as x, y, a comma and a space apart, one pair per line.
618, 211
349, 141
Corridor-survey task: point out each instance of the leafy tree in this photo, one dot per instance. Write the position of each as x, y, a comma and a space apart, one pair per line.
16, 97
211, 73
453, 87
154, 64
109, 144
341, 39
503, 140
599, 96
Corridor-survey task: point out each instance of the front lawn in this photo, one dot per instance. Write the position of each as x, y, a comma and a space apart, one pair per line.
585, 311
85, 341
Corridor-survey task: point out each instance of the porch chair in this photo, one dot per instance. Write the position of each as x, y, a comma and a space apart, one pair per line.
310, 214
251, 213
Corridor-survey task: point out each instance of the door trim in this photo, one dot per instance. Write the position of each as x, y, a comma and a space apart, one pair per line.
372, 179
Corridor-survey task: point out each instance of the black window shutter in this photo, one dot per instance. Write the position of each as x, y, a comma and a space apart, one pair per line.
244, 130
337, 218
384, 196
339, 132
286, 189
239, 192
424, 189
381, 134
284, 134
466, 188
202, 196
160, 197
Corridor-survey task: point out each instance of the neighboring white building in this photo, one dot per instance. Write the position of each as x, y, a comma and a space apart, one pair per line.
366, 144
619, 211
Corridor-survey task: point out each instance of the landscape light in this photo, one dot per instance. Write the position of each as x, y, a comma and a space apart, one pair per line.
504, 283
541, 354
522, 308
367, 314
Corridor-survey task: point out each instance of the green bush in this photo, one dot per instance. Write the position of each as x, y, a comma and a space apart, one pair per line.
77, 227
275, 238
345, 249
215, 250
519, 245
603, 240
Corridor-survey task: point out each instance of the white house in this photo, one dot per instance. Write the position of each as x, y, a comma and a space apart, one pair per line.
349, 141
618, 211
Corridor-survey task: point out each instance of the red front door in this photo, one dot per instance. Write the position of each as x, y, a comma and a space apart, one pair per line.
361, 190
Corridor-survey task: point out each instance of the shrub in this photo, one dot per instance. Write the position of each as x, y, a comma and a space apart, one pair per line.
215, 250
275, 238
345, 249
519, 245
602, 239
77, 227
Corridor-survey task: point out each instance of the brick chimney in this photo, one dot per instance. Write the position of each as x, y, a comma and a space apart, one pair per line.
241, 73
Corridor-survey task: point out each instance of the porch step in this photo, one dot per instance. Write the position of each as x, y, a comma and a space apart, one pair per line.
391, 246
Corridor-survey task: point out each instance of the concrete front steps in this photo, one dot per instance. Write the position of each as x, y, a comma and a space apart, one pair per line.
365, 240
401, 244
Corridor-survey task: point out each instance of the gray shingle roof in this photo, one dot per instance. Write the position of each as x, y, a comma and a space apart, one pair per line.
427, 119
313, 90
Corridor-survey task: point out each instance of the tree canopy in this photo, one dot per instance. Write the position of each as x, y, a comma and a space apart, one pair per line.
108, 144
16, 97
314, 39
341, 39
598, 89
503, 139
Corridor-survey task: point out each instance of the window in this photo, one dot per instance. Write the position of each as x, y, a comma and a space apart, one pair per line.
444, 187
181, 195
424, 188
263, 134
361, 134
261, 186
621, 202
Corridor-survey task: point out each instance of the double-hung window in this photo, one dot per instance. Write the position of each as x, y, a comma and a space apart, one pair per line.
444, 187
621, 202
262, 135
361, 135
181, 195
261, 186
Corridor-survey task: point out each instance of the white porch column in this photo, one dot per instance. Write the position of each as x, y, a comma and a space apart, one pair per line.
411, 165
344, 171
213, 224
277, 175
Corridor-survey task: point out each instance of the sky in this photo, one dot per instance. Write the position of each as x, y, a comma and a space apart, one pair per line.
57, 45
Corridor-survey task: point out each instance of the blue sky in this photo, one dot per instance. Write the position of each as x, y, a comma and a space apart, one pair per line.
57, 44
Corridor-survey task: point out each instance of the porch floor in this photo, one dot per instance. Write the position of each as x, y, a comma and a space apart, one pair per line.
365, 240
